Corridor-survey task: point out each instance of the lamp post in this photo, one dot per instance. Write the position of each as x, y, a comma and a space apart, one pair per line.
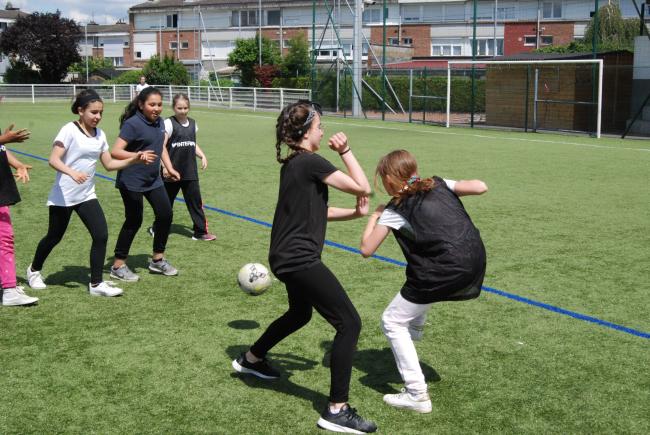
86, 49
259, 22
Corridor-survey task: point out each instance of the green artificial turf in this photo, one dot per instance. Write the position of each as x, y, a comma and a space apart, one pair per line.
566, 222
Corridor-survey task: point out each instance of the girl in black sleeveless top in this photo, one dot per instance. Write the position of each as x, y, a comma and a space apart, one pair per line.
444, 253
297, 240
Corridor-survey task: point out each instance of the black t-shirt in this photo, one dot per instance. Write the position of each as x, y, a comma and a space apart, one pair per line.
300, 220
8, 190
181, 147
142, 135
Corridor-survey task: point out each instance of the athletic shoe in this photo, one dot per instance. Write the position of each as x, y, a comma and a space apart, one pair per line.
163, 267
15, 296
415, 402
105, 288
123, 273
346, 420
261, 369
35, 279
150, 231
205, 237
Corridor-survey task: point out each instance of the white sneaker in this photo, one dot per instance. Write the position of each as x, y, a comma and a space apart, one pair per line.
418, 403
105, 288
35, 279
16, 296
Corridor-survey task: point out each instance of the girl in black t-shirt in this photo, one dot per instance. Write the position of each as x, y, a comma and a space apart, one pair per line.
12, 294
444, 253
297, 239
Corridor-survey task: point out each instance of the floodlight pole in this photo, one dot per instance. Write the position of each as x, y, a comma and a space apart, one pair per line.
356, 59
383, 65
313, 49
86, 35
259, 22
474, 53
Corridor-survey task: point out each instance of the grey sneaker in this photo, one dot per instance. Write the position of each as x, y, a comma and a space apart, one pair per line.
123, 273
163, 267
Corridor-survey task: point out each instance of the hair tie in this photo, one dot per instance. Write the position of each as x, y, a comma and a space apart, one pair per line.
414, 179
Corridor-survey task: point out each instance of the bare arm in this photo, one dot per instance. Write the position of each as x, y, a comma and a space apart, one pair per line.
111, 164
22, 169
56, 162
201, 155
119, 150
374, 234
346, 214
356, 183
470, 187
167, 163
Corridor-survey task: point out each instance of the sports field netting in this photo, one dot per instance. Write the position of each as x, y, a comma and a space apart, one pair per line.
565, 224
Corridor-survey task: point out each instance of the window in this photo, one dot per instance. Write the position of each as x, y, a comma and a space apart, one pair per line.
172, 21
138, 55
126, 43
273, 18
117, 61
173, 45
393, 41
244, 18
486, 47
185, 45
372, 16
95, 41
546, 40
411, 13
407, 41
3, 26
552, 9
506, 13
446, 47
530, 40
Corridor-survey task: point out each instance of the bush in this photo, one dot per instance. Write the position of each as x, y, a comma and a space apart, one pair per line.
19, 72
126, 78
165, 71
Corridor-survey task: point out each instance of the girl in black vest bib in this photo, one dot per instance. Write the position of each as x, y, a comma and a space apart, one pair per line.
444, 253
183, 152
297, 240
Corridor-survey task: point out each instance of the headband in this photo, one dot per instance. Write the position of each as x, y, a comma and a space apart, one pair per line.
89, 97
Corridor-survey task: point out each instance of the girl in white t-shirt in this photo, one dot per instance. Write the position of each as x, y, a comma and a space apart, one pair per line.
75, 152
444, 253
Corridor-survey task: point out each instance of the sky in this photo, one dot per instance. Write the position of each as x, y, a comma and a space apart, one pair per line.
82, 11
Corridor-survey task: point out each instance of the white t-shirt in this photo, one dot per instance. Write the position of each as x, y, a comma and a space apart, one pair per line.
169, 128
81, 154
139, 87
391, 219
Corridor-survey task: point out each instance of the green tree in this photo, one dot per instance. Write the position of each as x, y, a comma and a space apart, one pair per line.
297, 62
19, 72
245, 56
166, 71
614, 33
94, 63
44, 40
127, 78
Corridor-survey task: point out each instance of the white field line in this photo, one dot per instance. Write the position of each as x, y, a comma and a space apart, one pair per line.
450, 133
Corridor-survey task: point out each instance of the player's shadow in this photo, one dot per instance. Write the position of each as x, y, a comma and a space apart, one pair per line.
181, 230
69, 277
286, 365
244, 324
137, 263
379, 368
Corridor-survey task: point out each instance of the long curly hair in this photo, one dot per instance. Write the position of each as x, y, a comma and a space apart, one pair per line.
293, 122
134, 105
396, 171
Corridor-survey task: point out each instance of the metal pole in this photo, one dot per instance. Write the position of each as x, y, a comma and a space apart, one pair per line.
356, 59
494, 43
259, 22
537, 30
383, 66
594, 39
86, 33
600, 98
410, 95
313, 47
535, 90
448, 95
474, 50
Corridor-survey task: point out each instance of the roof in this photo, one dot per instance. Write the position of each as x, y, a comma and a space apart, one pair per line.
108, 28
11, 14
154, 4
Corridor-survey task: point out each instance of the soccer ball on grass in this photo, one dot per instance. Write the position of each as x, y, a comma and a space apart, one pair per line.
254, 279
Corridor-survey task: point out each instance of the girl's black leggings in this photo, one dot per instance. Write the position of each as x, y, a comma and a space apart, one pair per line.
133, 209
317, 287
92, 215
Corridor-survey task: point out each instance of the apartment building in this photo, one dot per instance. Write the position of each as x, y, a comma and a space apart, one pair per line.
201, 33
7, 17
110, 41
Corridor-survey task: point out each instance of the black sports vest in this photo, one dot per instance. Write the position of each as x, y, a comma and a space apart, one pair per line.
445, 254
8, 190
181, 147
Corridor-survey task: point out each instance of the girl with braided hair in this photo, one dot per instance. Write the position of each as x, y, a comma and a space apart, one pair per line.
297, 239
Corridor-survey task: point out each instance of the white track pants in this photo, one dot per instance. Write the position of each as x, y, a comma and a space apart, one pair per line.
400, 320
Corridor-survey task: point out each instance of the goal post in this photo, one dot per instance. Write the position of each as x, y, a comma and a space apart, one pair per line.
536, 94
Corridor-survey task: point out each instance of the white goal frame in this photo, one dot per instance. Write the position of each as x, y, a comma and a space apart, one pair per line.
598, 62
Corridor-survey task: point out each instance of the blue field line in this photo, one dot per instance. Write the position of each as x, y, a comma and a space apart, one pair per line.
510, 296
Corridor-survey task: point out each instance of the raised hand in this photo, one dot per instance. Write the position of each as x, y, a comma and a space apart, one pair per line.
11, 136
338, 142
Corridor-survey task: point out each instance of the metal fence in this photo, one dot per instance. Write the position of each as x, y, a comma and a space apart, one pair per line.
231, 98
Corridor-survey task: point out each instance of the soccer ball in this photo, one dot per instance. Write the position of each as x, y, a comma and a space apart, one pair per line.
254, 279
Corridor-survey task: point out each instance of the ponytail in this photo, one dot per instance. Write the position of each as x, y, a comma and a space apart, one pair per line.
293, 122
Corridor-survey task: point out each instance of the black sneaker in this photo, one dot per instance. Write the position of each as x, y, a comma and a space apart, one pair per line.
347, 420
261, 369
